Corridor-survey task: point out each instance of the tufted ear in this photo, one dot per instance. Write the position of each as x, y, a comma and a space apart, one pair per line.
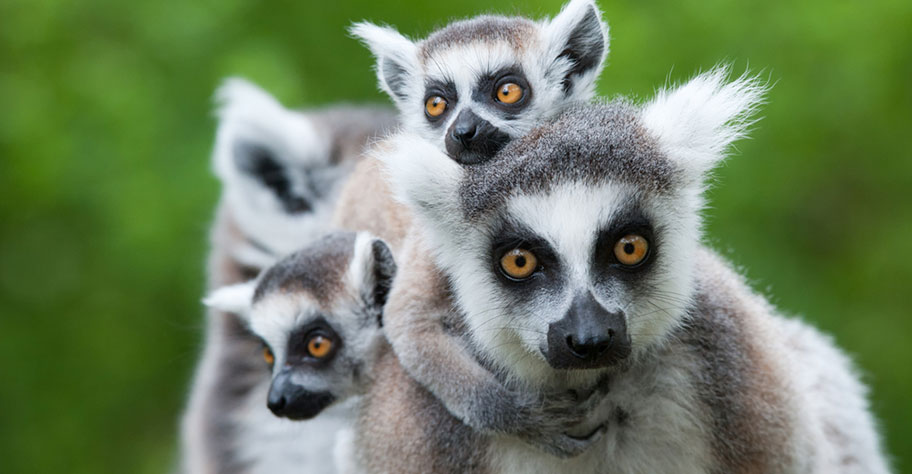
422, 177
261, 141
397, 57
372, 270
578, 44
695, 123
235, 299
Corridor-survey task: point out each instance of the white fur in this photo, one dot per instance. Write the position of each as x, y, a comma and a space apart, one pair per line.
248, 114
696, 122
387, 44
233, 298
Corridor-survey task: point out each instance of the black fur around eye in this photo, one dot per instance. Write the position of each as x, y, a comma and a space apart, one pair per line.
314, 344
439, 99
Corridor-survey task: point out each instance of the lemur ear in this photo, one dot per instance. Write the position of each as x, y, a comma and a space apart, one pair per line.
259, 139
235, 299
696, 123
397, 58
422, 177
578, 44
372, 270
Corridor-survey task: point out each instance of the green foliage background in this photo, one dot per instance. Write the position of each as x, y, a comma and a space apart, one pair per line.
106, 194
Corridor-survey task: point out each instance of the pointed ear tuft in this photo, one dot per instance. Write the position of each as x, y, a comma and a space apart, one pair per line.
397, 60
235, 299
695, 123
372, 270
578, 43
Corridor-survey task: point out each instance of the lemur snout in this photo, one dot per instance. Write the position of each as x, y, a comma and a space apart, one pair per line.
293, 401
472, 139
588, 336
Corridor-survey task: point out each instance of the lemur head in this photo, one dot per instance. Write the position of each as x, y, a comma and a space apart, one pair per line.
276, 169
573, 248
318, 313
476, 84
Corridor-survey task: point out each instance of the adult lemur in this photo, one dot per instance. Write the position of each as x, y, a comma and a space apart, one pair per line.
572, 260
470, 86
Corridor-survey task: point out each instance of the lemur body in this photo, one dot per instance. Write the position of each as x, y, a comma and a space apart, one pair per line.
573, 260
496, 77
281, 172
317, 313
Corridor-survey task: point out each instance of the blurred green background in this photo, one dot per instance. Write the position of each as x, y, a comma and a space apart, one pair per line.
106, 193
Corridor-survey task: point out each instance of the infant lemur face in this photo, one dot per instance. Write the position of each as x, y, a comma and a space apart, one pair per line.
318, 314
476, 84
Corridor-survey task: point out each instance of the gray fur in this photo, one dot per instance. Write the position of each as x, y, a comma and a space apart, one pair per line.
514, 31
591, 144
316, 269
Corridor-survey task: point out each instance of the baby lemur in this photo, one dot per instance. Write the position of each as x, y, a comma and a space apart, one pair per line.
573, 259
318, 314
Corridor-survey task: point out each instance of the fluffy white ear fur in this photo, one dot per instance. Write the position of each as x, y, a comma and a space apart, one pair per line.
696, 122
422, 176
578, 30
372, 269
248, 113
397, 57
235, 299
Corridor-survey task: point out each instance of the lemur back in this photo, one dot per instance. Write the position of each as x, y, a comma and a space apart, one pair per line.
573, 259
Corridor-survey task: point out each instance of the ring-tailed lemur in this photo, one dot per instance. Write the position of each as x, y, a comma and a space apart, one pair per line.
281, 172
473, 66
318, 314
575, 255
474, 85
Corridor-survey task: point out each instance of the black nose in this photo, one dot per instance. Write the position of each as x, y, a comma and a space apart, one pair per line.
464, 133
291, 400
588, 336
472, 139
591, 347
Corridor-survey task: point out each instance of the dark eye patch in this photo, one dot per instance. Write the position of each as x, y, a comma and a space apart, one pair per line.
297, 352
261, 164
513, 235
485, 91
445, 89
604, 262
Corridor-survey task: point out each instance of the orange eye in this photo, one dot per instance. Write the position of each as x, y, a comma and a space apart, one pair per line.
509, 93
631, 249
267, 356
519, 264
435, 106
319, 346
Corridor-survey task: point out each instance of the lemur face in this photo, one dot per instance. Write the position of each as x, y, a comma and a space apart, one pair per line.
572, 248
476, 84
318, 314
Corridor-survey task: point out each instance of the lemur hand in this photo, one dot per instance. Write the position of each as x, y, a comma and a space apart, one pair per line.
543, 420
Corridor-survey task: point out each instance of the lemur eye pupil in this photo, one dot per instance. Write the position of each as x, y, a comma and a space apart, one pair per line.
319, 346
509, 93
435, 106
631, 249
518, 264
